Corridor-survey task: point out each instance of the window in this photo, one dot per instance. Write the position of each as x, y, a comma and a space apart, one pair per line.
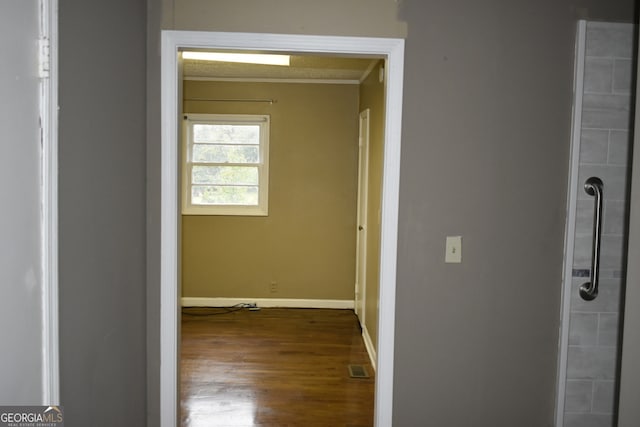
225, 164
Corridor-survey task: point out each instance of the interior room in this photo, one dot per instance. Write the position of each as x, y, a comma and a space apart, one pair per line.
315, 246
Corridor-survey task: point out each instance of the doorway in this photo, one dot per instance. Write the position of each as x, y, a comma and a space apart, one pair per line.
392, 50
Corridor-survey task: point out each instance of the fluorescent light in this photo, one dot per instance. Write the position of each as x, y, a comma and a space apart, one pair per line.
247, 58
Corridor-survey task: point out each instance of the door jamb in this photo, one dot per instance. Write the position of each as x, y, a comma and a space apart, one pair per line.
49, 198
362, 210
172, 42
572, 196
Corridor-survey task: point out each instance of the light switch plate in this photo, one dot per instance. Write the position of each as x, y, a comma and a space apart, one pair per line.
453, 252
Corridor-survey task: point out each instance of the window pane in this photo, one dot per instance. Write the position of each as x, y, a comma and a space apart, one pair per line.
226, 134
234, 175
206, 153
221, 195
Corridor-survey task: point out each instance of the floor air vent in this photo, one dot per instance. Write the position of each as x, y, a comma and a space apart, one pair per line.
358, 371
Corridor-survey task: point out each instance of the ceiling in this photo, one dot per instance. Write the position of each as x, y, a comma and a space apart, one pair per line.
303, 67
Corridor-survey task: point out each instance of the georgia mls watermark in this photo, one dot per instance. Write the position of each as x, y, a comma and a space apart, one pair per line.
31, 416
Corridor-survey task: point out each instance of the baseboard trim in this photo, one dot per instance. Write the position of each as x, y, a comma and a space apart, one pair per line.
371, 350
268, 302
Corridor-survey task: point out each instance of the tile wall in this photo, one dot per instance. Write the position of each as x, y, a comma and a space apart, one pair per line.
604, 145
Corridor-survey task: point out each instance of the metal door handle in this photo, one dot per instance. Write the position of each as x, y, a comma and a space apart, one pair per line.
589, 290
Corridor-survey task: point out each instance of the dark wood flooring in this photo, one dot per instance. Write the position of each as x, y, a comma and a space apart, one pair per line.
273, 367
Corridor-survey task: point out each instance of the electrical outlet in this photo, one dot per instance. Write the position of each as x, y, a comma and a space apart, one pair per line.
273, 288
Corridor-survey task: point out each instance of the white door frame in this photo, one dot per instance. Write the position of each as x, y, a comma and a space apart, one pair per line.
390, 49
361, 216
49, 218
570, 225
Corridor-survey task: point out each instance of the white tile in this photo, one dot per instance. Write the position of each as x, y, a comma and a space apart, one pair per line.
598, 75
588, 420
603, 397
594, 145
608, 328
622, 72
619, 143
614, 217
583, 329
610, 40
578, 396
607, 101
606, 119
584, 217
591, 363
612, 252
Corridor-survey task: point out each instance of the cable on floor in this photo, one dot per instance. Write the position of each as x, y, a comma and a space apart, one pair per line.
207, 311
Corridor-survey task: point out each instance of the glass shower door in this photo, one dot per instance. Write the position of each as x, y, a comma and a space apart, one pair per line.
590, 347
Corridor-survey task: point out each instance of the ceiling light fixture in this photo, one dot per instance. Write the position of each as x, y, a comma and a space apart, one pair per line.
246, 58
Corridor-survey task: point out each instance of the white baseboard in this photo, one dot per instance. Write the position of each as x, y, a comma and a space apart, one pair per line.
369, 346
268, 302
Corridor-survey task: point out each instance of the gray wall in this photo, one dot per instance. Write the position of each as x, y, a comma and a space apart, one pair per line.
486, 129
154, 17
487, 95
336, 17
102, 212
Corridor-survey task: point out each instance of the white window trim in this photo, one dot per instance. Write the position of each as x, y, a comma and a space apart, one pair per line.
262, 208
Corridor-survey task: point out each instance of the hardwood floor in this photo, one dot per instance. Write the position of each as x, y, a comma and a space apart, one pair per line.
273, 367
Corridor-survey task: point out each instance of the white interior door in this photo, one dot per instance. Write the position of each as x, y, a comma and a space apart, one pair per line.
361, 231
25, 361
